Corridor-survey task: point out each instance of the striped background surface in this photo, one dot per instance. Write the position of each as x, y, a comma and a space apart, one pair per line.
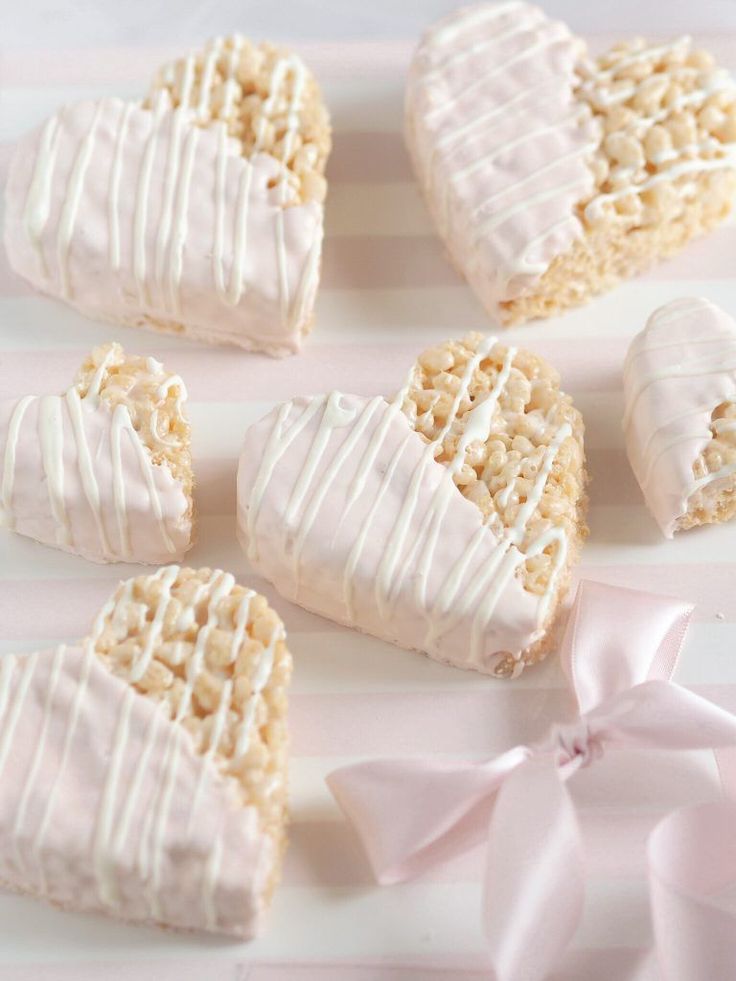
387, 293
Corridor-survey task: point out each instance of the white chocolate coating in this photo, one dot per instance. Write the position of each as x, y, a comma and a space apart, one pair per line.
76, 474
500, 141
106, 807
677, 371
143, 217
525, 147
343, 507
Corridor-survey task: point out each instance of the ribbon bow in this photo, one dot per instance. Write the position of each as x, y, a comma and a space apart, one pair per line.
619, 652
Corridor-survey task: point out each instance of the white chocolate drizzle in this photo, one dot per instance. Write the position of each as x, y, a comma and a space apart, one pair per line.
51, 438
20, 817
501, 131
11, 447
120, 797
169, 149
492, 113
678, 370
686, 161
38, 840
70, 207
161, 744
62, 432
404, 561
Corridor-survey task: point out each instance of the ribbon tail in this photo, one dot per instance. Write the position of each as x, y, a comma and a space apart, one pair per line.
411, 814
692, 879
534, 884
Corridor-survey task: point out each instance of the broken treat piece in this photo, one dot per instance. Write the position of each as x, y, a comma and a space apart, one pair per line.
198, 211
550, 175
145, 771
104, 470
445, 521
680, 414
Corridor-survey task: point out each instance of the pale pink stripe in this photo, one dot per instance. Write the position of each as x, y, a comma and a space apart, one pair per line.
578, 965
339, 59
372, 262
214, 492
84, 66
328, 853
380, 367
197, 968
613, 483
369, 158
608, 963
229, 375
386, 262
710, 257
462, 723
477, 723
421, 723
65, 607
708, 586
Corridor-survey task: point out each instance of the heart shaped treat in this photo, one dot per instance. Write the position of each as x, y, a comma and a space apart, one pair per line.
142, 773
680, 414
550, 175
445, 521
198, 211
105, 469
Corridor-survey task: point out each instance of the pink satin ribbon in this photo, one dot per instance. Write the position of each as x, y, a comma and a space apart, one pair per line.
619, 652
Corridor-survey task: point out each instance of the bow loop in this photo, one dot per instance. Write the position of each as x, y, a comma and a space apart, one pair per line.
437, 809
617, 638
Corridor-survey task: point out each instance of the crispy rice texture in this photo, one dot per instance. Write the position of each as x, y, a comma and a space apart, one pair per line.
626, 233
716, 501
153, 398
498, 474
251, 119
259, 776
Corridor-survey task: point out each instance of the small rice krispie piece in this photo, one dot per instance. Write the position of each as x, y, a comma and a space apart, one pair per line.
444, 521
147, 778
198, 211
552, 176
525, 472
680, 414
104, 470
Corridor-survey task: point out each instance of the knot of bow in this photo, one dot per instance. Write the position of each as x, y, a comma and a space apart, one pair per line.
619, 652
574, 743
